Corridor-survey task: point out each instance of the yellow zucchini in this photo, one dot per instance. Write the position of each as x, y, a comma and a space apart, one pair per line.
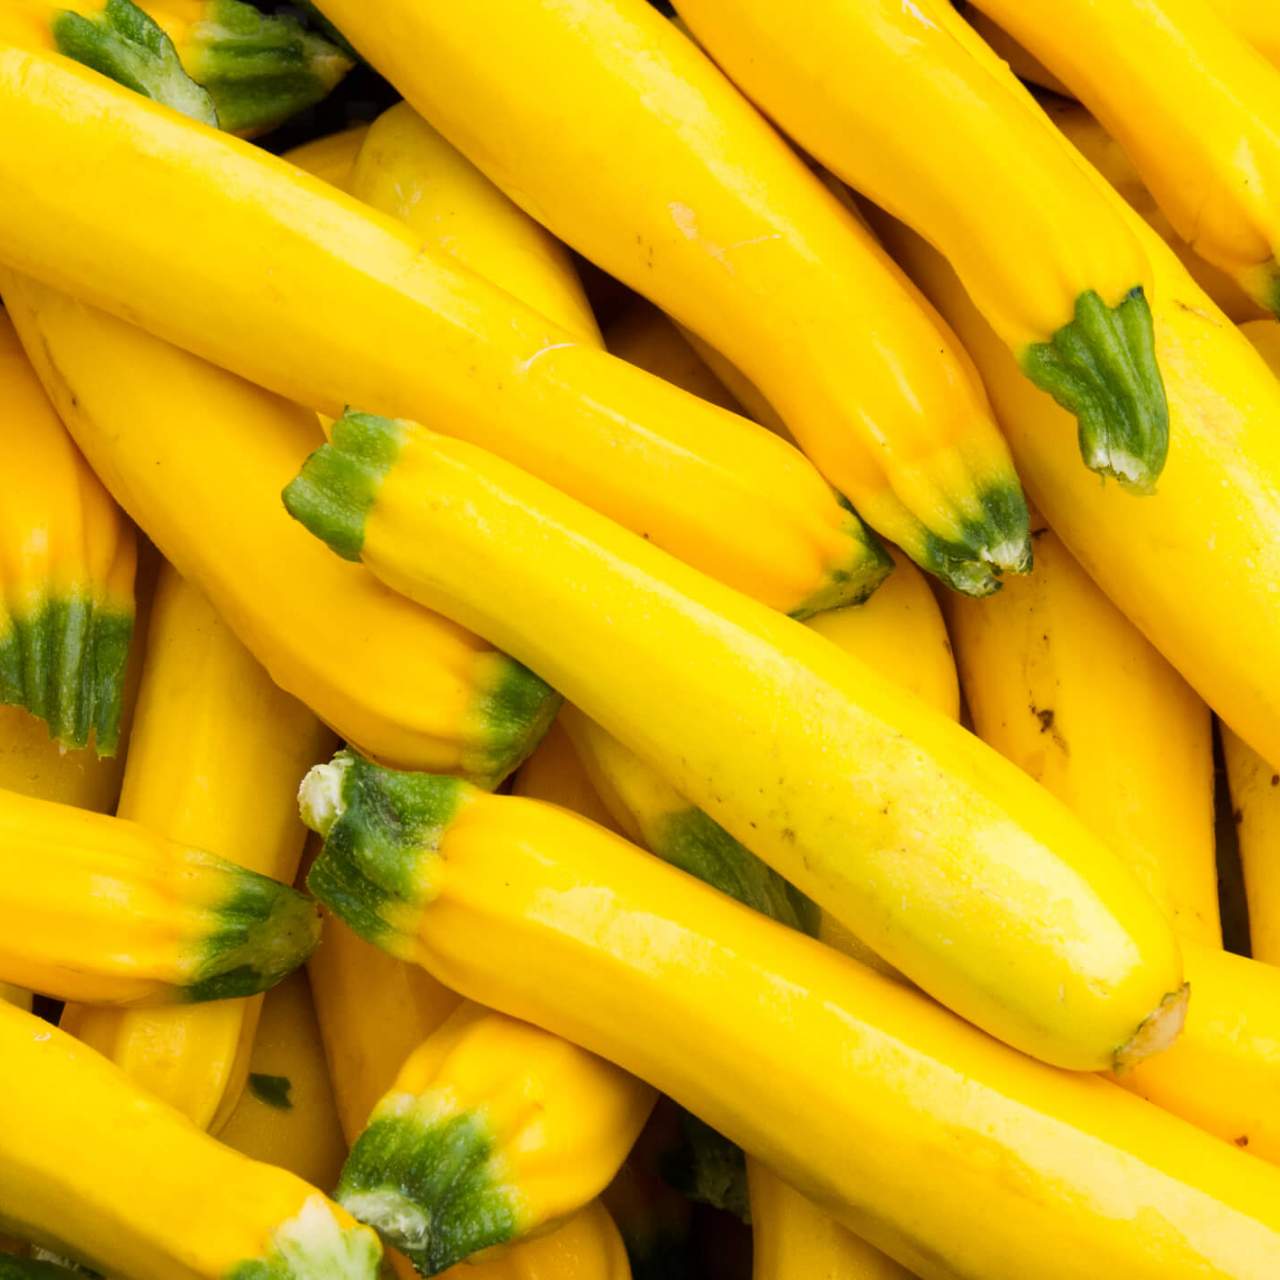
213, 761
331, 158
1193, 104
882, 1108
1217, 512
672, 183
1024, 65
66, 571
223, 62
493, 1130
287, 1115
1058, 275
361, 311
1255, 799
1257, 20
94, 1167
555, 773
97, 908
36, 765
411, 687
1109, 158
942, 857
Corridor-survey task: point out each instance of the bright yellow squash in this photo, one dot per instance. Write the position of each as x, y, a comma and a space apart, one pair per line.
66, 571
613, 129
287, 1115
410, 687
587, 1247
1216, 517
492, 1130
94, 1167
36, 765
942, 857
889, 96
555, 773
360, 311
882, 1108
1194, 105
331, 158
1257, 20
98, 908
214, 758
1255, 799
220, 61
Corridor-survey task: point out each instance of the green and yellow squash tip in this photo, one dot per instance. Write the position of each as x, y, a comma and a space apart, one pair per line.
1101, 367
314, 1245
854, 582
234, 68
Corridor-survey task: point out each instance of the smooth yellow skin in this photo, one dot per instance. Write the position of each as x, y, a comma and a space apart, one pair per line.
887, 96
1216, 515
306, 1138
891, 833
362, 313
1257, 20
561, 1119
406, 169
34, 764
555, 773
794, 1240
710, 214
1023, 64
587, 1247
1255, 797
1193, 104
1060, 682
886, 1111
331, 158
406, 686
60, 532
1109, 158
214, 758
93, 1165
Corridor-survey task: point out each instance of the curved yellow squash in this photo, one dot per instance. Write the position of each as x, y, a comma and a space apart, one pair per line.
362, 312
1216, 517
614, 130
942, 857
890, 97
411, 687
214, 758
94, 1167
1193, 104
66, 571
879, 1106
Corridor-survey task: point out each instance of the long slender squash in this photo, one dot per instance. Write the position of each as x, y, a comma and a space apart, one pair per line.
887, 95
1192, 103
287, 1116
943, 858
614, 130
1110, 159
94, 1167
410, 687
66, 571
1216, 516
213, 760
492, 1130
220, 61
361, 312
881, 1107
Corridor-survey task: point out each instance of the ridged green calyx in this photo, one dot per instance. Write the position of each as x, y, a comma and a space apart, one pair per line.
314, 1245
382, 830
262, 931
992, 543
64, 661
1102, 368
427, 1181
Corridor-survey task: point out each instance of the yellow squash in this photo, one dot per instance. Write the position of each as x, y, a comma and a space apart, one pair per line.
1257, 20
66, 571
98, 908
943, 858
609, 126
1193, 104
1255, 799
587, 1247
360, 311
1216, 517
555, 773
410, 687
331, 158
890, 96
1024, 65
492, 1130
287, 1115
220, 61
94, 1167
36, 765
214, 758
882, 1108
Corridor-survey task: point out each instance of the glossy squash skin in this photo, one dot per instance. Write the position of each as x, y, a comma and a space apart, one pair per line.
764, 1034
845, 826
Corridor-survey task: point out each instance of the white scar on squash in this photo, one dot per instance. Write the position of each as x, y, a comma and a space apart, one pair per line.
686, 221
